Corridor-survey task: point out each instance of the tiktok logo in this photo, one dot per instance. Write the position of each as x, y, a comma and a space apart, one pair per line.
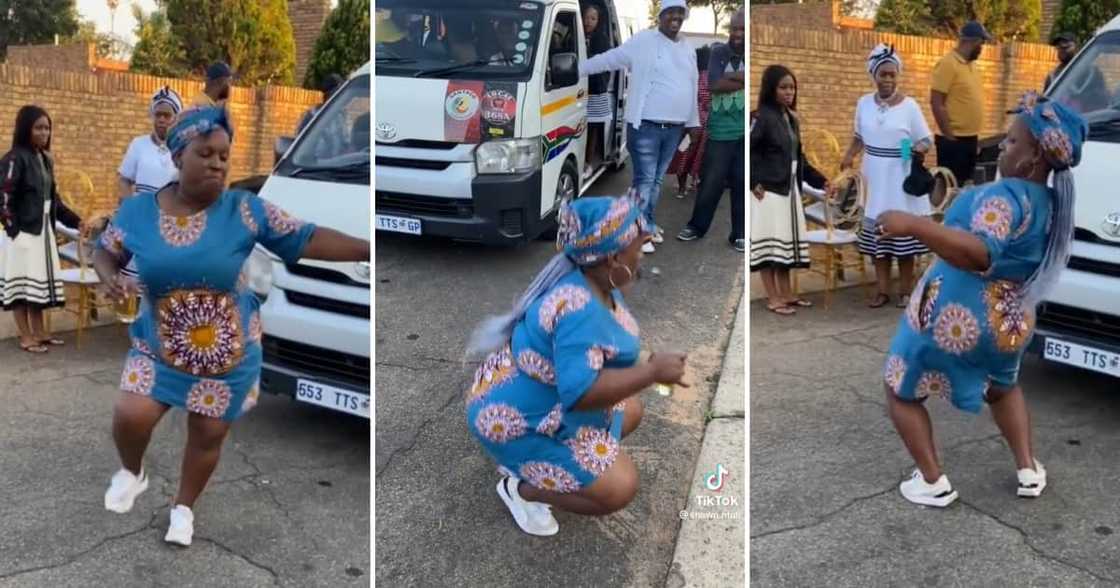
714, 481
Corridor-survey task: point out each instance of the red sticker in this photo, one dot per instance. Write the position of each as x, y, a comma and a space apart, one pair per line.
460, 112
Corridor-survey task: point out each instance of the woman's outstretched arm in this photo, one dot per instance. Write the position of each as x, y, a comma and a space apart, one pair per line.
331, 245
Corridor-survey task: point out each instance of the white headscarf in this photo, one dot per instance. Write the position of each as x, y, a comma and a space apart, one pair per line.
882, 53
166, 95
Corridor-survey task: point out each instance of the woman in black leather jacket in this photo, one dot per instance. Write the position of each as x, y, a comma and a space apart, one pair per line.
30, 206
778, 167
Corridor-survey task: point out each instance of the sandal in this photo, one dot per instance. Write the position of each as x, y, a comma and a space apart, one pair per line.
781, 309
800, 302
34, 348
880, 301
903, 302
52, 341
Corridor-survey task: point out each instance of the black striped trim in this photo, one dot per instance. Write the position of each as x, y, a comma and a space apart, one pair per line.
779, 242
768, 264
890, 247
882, 152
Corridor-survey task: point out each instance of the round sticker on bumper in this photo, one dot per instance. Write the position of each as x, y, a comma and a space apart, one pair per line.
461, 104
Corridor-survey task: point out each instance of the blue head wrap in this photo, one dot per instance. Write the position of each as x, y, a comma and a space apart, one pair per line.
197, 122
592, 229
1060, 133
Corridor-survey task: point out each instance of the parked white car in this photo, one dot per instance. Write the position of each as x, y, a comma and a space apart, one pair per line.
316, 315
1079, 323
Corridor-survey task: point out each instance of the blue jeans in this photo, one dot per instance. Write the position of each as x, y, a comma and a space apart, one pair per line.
651, 149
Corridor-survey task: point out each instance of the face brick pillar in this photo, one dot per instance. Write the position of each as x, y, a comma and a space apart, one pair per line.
1050, 9
307, 18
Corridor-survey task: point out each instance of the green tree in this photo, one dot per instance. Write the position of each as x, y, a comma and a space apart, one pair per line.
906, 17
108, 45
157, 52
1006, 20
34, 22
1083, 17
254, 36
343, 44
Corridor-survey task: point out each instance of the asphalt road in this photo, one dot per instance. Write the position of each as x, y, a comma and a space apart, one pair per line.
826, 463
439, 521
288, 504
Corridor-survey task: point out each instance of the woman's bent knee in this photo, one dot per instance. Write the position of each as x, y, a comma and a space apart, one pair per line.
622, 491
632, 417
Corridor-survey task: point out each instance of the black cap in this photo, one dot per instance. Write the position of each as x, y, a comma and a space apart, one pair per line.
1063, 36
975, 30
330, 83
217, 70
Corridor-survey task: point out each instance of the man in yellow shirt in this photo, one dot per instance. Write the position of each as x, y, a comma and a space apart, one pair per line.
219, 82
957, 101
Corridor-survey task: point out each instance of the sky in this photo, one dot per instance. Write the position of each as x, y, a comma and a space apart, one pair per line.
98, 12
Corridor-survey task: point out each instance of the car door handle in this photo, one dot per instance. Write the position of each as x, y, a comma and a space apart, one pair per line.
580, 94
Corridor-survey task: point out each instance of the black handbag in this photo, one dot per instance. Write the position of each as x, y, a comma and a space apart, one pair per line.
920, 181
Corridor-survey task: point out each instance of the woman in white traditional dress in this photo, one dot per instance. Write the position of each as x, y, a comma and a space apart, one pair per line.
778, 169
29, 207
890, 129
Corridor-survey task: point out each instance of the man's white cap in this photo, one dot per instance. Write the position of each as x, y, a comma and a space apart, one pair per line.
667, 4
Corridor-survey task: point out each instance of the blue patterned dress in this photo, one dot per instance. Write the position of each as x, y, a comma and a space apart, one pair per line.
520, 404
965, 331
197, 342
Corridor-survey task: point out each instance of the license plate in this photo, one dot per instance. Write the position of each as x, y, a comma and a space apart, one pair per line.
333, 398
398, 224
1097, 360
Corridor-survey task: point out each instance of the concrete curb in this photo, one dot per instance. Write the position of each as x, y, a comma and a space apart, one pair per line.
712, 537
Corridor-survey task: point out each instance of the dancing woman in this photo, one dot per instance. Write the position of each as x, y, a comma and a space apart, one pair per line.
971, 316
559, 388
197, 343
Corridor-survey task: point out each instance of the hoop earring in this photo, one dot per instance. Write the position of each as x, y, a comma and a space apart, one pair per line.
610, 275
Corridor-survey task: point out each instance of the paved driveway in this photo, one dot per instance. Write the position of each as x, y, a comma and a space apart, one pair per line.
288, 505
826, 462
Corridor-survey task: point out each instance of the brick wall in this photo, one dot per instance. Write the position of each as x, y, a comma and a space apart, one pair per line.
73, 57
307, 18
96, 115
831, 74
1050, 10
812, 15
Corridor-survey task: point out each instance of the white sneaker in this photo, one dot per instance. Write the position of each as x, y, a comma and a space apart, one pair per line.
1032, 482
918, 491
658, 236
648, 247
181, 529
124, 487
534, 518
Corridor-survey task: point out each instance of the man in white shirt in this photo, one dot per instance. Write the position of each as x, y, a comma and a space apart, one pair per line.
147, 164
662, 102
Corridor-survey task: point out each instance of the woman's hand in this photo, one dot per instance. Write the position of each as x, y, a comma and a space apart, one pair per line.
668, 368
895, 224
759, 192
116, 287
